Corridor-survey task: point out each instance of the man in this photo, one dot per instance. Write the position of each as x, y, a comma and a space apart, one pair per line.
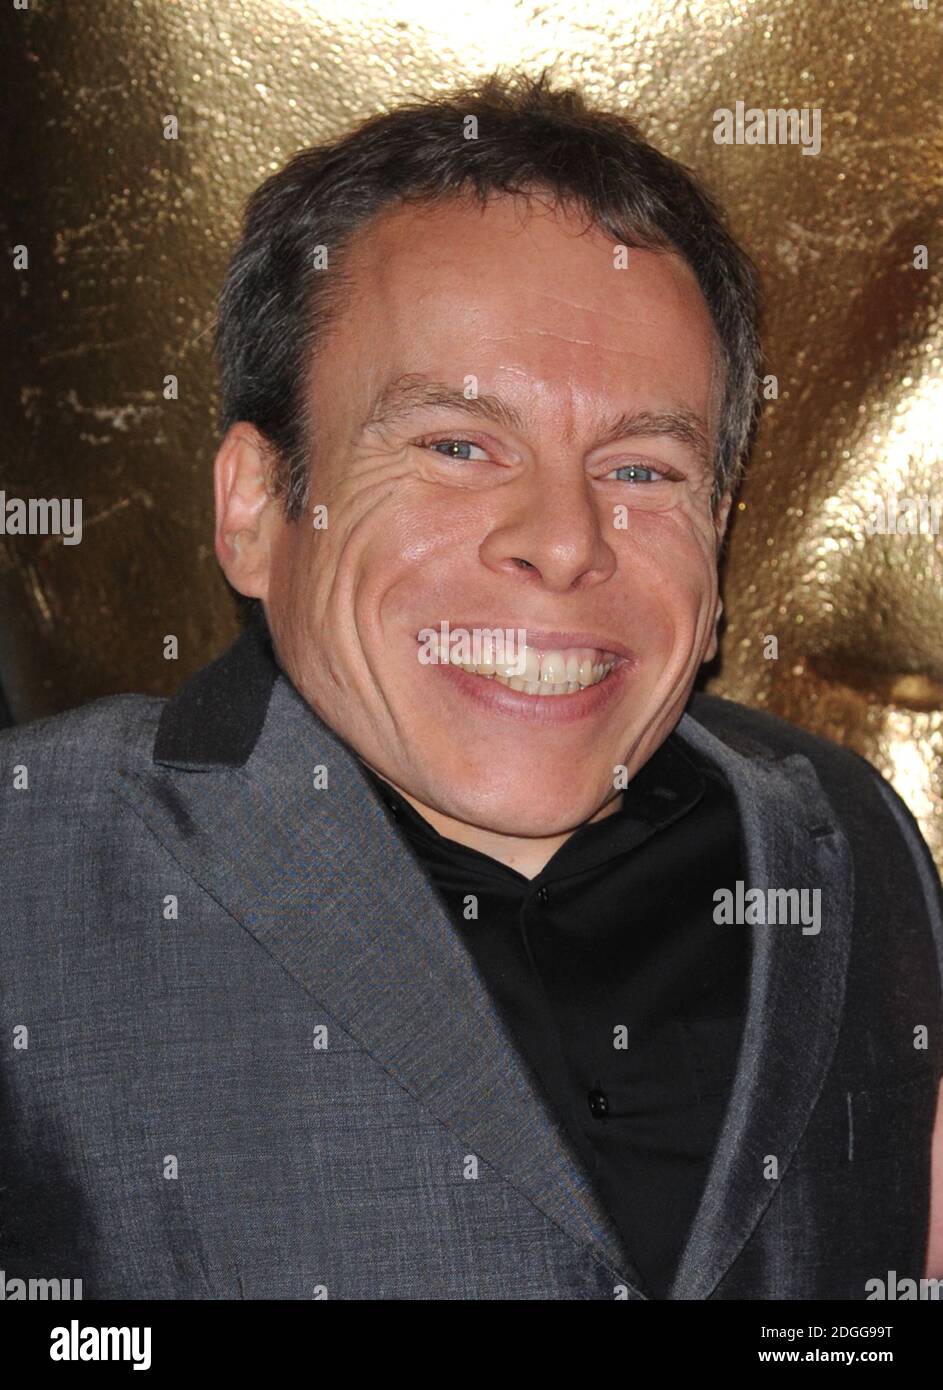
435, 941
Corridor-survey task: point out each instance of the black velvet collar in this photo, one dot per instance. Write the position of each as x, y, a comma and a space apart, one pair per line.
215, 719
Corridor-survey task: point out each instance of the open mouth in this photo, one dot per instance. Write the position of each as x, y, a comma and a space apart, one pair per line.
550, 670
555, 673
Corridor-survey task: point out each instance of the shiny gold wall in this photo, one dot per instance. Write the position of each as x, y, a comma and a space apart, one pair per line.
128, 233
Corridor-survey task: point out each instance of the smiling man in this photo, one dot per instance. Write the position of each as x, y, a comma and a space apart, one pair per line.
400, 960
596, 396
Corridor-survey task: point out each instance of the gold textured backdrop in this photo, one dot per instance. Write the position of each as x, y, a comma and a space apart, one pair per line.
128, 235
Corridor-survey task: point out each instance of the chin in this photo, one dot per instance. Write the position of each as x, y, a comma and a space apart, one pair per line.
529, 816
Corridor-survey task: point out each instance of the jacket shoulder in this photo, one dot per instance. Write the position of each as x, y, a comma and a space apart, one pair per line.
894, 867
757, 733
877, 819
86, 743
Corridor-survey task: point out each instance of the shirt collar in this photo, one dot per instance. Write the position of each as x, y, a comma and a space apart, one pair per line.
667, 787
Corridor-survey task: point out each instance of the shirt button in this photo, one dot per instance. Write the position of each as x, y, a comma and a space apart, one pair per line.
598, 1104
542, 896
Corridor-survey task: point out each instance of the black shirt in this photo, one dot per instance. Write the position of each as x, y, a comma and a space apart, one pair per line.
622, 992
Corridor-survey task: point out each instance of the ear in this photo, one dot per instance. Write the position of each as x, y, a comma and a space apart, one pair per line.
711, 651
248, 515
721, 516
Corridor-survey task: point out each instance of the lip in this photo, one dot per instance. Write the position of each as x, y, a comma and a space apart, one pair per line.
544, 640
540, 710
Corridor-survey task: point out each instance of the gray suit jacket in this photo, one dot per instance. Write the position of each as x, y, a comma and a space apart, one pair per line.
260, 1063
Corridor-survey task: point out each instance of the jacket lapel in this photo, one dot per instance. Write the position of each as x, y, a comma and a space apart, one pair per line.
323, 882
796, 991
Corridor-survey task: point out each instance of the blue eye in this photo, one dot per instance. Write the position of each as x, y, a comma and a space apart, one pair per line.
457, 449
635, 472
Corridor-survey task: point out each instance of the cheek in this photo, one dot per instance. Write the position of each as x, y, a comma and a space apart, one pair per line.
682, 535
289, 609
668, 565
293, 563
383, 510
318, 567
408, 549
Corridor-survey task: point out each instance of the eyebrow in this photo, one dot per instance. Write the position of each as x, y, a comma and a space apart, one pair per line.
409, 394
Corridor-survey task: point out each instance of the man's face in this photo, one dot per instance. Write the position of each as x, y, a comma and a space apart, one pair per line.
565, 513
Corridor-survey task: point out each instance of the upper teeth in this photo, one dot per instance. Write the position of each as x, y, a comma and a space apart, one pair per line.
546, 673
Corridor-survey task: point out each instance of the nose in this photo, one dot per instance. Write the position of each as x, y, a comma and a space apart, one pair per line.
554, 533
